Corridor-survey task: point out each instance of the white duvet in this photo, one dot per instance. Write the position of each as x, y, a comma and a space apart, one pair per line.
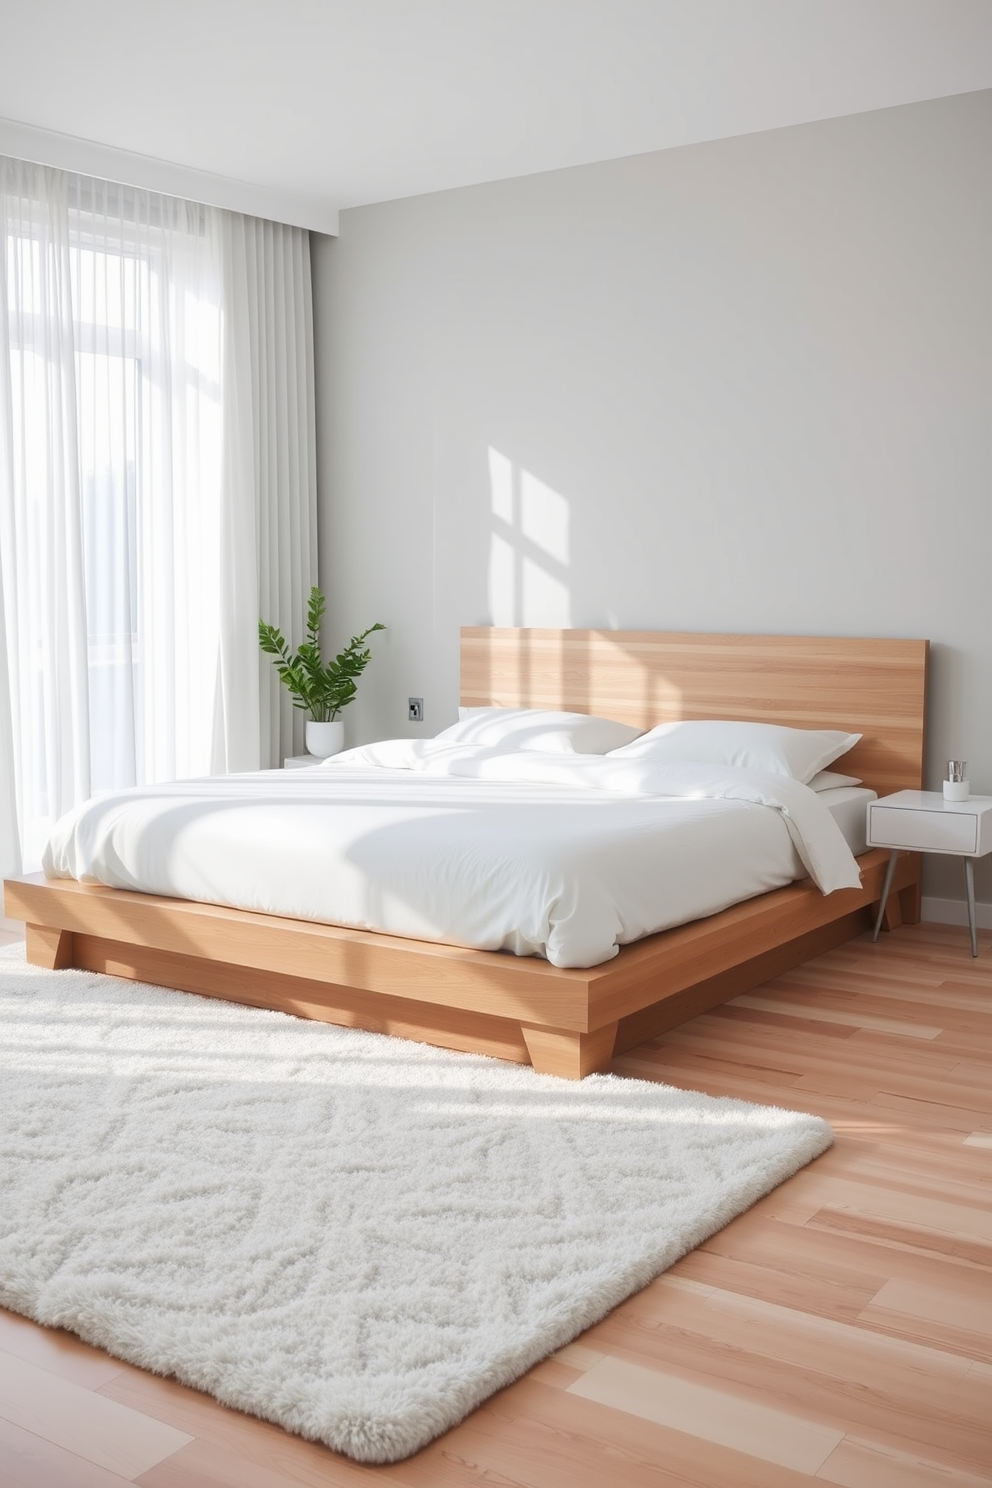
563, 856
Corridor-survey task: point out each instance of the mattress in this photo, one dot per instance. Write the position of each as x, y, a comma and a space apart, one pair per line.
563, 858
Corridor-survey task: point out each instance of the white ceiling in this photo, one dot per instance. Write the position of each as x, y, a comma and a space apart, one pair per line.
296, 108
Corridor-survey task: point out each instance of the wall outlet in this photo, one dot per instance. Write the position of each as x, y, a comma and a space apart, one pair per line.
415, 710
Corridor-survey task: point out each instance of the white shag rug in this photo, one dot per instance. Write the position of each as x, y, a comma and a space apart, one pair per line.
357, 1237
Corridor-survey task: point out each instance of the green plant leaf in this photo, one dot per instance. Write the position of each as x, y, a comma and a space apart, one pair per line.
321, 690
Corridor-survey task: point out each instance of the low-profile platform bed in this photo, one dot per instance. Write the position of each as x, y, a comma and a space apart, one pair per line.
565, 1020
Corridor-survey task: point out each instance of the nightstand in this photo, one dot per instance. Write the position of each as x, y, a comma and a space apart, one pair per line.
922, 821
300, 761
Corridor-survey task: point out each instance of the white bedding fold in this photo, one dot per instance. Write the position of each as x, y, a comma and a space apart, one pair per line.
817, 838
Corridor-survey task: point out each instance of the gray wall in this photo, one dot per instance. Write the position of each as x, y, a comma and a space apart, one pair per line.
739, 386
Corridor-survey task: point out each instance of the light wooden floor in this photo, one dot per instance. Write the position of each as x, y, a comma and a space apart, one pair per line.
841, 1330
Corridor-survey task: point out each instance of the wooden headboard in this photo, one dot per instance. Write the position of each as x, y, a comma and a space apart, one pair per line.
872, 687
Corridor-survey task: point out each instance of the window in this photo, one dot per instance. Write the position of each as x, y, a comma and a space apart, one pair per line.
156, 476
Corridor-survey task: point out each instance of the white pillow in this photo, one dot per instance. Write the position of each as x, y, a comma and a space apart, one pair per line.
542, 729
800, 753
831, 780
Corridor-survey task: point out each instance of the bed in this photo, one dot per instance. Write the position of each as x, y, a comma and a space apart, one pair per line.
565, 1020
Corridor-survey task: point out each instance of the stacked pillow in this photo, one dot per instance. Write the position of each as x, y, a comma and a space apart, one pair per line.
543, 729
798, 753
801, 754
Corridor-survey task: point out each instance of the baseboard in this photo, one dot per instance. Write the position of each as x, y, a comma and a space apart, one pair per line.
11, 927
955, 912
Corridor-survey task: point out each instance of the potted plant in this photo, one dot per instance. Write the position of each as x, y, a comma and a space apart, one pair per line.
320, 690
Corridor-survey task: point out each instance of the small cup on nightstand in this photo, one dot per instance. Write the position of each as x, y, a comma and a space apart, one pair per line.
957, 787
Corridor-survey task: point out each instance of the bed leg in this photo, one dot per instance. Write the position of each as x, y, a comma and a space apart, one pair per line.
571, 1056
48, 946
892, 918
911, 903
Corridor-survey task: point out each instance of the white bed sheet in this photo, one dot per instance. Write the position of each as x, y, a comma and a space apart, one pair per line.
848, 805
557, 866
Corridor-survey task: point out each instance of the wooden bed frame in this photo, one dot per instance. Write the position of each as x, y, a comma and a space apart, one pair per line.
564, 1022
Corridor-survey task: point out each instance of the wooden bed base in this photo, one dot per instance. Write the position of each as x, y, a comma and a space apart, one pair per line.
564, 1022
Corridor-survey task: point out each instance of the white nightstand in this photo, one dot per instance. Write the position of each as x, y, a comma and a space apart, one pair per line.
922, 821
300, 761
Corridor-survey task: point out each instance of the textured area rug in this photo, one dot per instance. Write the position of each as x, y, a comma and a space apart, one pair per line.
357, 1237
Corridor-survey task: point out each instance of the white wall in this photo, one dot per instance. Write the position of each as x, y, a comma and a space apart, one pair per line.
739, 386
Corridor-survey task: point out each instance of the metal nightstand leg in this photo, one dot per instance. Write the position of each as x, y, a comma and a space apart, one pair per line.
969, 883
886, 886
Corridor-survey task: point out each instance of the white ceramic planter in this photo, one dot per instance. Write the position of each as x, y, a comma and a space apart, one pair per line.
324, 739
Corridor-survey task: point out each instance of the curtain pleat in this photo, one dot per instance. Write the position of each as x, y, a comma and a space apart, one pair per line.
41, 540
157, 490
274, 302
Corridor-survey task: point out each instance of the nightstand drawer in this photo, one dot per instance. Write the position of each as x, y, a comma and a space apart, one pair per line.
925, 831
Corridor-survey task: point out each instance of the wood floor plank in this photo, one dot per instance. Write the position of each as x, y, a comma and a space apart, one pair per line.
965, 1043
611, 1447
805, 1340
951, 1005
232, 1431
123, 1440
204, 1464
956, 1175
874, 1201
852, 1087
955, 1092
57, 1351
789, 1026
861, 1464
703, 1073
764, 1071
715, 1415
815, 1295
946, 1003
972, 1071
703, 1076
821, 1259
936, 1113
514, 1449
856, 1015
796, 1253
908, 1237
872, 1069
553, 1372
845, 1406
963, 1320
887, 999
578, 1356
30, 1461
809, 1052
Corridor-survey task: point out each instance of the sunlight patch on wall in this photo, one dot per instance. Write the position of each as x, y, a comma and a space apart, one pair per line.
529, 549
544, 517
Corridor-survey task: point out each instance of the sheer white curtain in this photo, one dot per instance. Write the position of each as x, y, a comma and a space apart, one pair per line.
274, 457
157, 488
10, 837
